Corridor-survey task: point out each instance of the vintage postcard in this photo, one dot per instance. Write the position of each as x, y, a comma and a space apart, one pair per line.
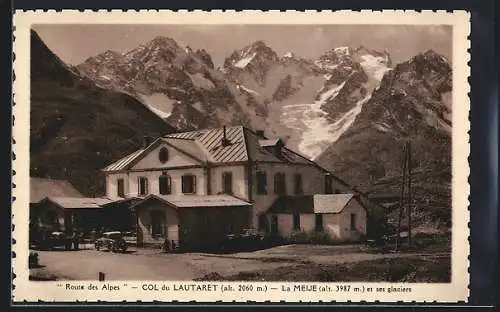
241, 156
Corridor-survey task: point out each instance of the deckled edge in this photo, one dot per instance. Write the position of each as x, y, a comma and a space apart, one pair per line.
130, 13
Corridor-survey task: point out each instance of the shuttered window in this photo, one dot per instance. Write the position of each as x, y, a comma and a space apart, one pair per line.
143, 186
296, 222
188, 184
319, 222
328, 184
279, 183
261, 178
353, 221
227, 183
120, 188
298, 184
165, 185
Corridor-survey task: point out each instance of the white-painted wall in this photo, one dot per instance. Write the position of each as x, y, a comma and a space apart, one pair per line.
285, 223
313, 182
176, 158
112, 184
337, 225
132, 179
240, 185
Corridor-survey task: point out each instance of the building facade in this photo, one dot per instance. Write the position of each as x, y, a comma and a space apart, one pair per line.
341, 216
235, 162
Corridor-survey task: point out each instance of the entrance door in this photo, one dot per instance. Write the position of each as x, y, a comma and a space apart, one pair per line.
274, 225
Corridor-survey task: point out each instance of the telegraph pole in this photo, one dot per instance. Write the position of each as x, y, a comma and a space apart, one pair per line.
401, 199
409, 193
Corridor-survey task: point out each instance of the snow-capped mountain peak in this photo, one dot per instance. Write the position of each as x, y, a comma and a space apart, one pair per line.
257, 52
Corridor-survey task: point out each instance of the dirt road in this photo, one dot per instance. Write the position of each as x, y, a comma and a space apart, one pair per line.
146, 264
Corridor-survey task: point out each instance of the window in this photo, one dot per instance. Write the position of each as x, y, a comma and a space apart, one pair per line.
263, 222
297, 189
279, 183
353, 221
274, 225
143, 185
227, 183
120, 187
165, 185
188, 184
296, 222
261, 178
163, 155
157, 221
328, 184
319, 222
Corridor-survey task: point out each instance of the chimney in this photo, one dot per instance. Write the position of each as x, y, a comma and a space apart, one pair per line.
260, 133
224, 141
146, 141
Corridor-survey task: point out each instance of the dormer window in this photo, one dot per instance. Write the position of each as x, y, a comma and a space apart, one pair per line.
163, 155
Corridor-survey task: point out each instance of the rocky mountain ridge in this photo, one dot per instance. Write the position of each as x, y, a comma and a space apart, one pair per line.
350, 109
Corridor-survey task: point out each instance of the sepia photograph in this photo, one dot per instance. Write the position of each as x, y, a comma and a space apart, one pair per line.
241, 152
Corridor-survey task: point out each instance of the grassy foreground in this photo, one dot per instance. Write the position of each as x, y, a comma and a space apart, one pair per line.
429, 269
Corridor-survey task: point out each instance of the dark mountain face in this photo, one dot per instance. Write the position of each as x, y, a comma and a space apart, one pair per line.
77, 128
410, 104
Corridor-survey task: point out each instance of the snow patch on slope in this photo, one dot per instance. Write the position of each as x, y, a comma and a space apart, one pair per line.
242, 87
374, 66
317, 132
321, 133
245, 61
158, 103
201, 82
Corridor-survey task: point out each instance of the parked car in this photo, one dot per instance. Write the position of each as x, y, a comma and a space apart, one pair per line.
33, 259
130, 238
247, 239
112, 241
58, 239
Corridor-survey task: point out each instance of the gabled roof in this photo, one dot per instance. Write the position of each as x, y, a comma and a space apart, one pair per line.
266, 143
124, 162
207, 147
318, 203
79, 202
41, 188
194, 201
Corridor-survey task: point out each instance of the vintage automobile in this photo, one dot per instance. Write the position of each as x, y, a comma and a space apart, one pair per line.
58, 239
247, 239
33, 259
111, 241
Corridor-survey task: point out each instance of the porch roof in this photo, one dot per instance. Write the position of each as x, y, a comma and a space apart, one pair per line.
318, 203
194, 201
79, 202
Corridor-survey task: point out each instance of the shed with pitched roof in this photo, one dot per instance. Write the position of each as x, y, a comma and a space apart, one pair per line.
341, 216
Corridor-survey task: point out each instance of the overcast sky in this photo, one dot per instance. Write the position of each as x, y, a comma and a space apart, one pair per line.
75, 43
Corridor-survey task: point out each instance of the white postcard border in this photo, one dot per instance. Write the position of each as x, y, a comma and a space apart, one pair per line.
457, 290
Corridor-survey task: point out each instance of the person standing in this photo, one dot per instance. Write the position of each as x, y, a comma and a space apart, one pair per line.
76, 238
